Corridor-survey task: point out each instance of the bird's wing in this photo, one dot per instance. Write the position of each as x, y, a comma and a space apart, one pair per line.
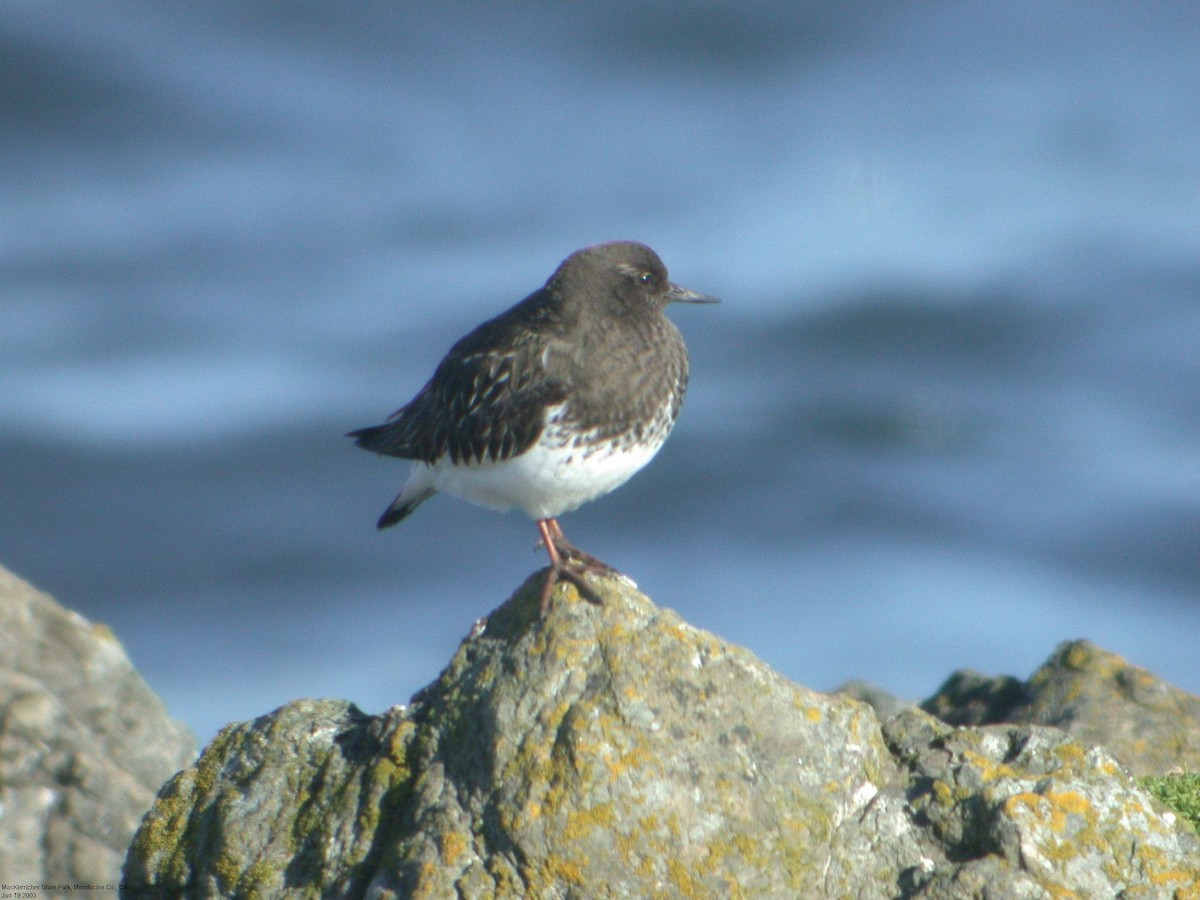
483, 405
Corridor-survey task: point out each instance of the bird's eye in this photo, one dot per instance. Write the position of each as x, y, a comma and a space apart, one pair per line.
646, 278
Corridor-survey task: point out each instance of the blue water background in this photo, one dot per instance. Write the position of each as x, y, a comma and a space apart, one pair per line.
947, 415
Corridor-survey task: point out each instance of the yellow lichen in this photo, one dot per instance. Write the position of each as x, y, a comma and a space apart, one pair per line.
637, 758
942, 793
582, 823
1052, 807
989, 769
1024, 800
1167, 875
1059, 892
1077, 656
1070, 801
1071, 754
682, 878
451, 845
556, 870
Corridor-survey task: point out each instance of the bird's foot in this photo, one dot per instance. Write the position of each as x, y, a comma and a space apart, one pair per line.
569, 563
572, 554
563, 571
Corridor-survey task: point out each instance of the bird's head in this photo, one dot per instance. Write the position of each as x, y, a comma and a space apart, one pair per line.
625, 271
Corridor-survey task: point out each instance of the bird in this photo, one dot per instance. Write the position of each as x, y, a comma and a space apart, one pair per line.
553, 403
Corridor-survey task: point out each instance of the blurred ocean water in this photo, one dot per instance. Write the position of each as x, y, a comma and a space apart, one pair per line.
946, 416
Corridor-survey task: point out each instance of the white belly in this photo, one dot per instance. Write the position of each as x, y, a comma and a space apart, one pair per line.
545, 481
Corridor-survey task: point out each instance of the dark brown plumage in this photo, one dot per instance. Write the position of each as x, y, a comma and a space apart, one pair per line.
585, 375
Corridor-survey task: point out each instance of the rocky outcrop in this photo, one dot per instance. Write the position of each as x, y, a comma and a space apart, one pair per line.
84, 747
1094, 695
884, 702
614, 751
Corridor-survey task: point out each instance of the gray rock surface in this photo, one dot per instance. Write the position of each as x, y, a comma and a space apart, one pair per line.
84, 746
1097, 696
884, 702
615, 751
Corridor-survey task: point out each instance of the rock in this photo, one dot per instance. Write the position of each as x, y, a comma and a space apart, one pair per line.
304, 798
1027, 811
84, 745
884, 702
1149, 725
615, 751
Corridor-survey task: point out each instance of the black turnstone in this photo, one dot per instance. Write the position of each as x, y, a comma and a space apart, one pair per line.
551, 404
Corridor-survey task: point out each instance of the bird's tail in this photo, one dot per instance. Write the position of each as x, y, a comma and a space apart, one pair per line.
403, 505
383, 438
389, 438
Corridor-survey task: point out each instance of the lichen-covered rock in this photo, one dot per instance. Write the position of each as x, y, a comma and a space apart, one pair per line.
1027, 811
614, 751
84, 745
605, 751
305, 797
1094, 695
884, 702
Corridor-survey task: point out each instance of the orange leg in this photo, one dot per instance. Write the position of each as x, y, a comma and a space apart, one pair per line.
567, 550
561, 554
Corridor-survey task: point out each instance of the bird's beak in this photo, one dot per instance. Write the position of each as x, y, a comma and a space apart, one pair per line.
678, 294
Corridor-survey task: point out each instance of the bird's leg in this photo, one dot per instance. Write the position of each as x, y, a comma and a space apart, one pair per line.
571, 553
559, 568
